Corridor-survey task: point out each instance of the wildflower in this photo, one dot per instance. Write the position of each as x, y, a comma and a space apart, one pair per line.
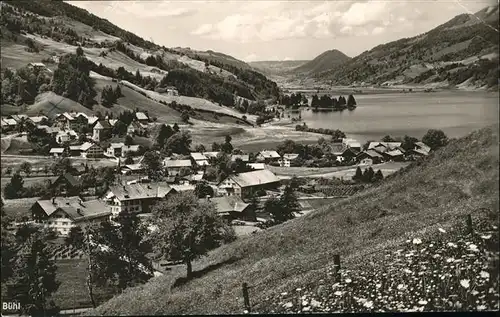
298, 289
378, 285
431, 245
449, 260
284, 294
464, 283
401, 286
484, 274
451, 244
338, 293
474, 292
348, 280
422, 302
407, 271
442, 230
417, 241
473, 247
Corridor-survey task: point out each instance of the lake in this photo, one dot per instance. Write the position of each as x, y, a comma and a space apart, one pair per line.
456, 113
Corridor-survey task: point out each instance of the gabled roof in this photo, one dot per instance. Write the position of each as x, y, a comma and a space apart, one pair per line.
75, 147
49, 130
65, 115
134, 167
257, 166
269, 154
197, 156
254, 178
112, 122
9, 121
177, 163
141, 116
36, 64
211, 154
243, 157
183, 188
19, 117
102, 124
72, 180
394, 153
390, 145
420, 151
130, 148
87, 145
290, 156
117, 145
371, 153
423, 146
139, 191
92, 120
75, 208
38, 119
337, 148
57, 150
227, 204
354, 144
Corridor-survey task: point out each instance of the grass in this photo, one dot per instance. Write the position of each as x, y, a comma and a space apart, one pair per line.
28, 181
452, 182
14, 161
18, 208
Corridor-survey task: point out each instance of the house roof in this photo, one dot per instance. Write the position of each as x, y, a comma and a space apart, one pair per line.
130, 148
49, 130
254, 178
394, 153
56, 150
183, 188
371, 153
420, 151
134, 167
75, 147
290, 156
117, 145
269, 154
139, 191
112, 122
243, 157
141, 116
197, 156
177, 163
65, 115
72, 180
390, 145
102, 124
257, 166
87, 145
18, 117
37, 64
337, 148
354, 144
227, 204
75, 208
211, 154
9, 121
38, 119
92, 119
423, 146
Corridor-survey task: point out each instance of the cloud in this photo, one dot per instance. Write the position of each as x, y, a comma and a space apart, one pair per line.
251, 58
152, 9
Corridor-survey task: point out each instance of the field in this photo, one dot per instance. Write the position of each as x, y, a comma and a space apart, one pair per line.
336, 171
18, 208
454, 181
14, 161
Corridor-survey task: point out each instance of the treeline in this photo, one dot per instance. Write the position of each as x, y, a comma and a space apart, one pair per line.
336, 134
326, 101
23, 85
368, 176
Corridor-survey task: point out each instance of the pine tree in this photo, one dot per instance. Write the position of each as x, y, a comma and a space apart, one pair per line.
378, 176
358, 175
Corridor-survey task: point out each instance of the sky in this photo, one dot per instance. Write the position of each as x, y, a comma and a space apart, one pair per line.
279, 30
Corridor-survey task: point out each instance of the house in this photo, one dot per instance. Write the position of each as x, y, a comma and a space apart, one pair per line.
63, 213
257, 166
416, 153
380, 146
351, 143
287, 159
369, 157
102, 131
132, 169
199, 159
112, 122
136, 128
132, 149
349, 154
49, 130
57, 151
37, 66
92, 120
38, 120
115, 149
209, 155
64, 121
65, 136
67, 185
337, 148
80, 121
136, 198
8, 124
245, 184
91, 150
422, 146
243, 157
175, 166
141, 117
394, 155
268, 156
183, 187
232, 207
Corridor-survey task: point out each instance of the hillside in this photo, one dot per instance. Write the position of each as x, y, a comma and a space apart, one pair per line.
276, 67
436, 193
464, 48
323, 62
45, 31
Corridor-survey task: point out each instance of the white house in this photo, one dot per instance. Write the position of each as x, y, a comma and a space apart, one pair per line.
351, 143
132, 149
115, 149
199, 159
63, 213
268, 156
141, 117
244, 184
66, 136
287, 159
102, 130
257, 166
91, 150
56, 151
175, 166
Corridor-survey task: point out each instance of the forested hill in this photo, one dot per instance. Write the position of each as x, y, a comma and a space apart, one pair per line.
463, 50
323, 62
46, 31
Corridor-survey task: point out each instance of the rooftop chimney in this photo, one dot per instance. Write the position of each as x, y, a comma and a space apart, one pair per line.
53, 200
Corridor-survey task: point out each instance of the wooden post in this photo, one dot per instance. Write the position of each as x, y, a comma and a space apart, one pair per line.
336, 267
246, 299
469, 224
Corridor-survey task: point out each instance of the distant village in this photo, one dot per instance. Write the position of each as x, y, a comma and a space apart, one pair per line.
135, 192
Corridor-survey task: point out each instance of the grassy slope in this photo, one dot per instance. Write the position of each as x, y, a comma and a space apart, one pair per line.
325, 61
452, 182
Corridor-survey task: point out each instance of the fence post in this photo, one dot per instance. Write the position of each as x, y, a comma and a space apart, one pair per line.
246, 299
336, 267
469, 224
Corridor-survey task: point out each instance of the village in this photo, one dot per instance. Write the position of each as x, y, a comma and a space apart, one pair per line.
78, 135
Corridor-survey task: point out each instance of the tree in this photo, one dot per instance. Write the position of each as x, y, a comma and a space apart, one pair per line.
435, 139
387, 138
120, 128
188, 228
79, 51
129, 140
200, 148
227, 147
165, 132
176, 127
15, 188
62, 166
290, 204
34, 278
358, 176
8, 246
408, 143
378, 176
26, 168
75, 238
202, 190
368, 175
179, 143
351, 102
185, 116
216, 147
153, 165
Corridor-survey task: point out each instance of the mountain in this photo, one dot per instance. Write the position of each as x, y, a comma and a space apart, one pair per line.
276, 67
458, 179
462, 51
47, 31
323, 62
